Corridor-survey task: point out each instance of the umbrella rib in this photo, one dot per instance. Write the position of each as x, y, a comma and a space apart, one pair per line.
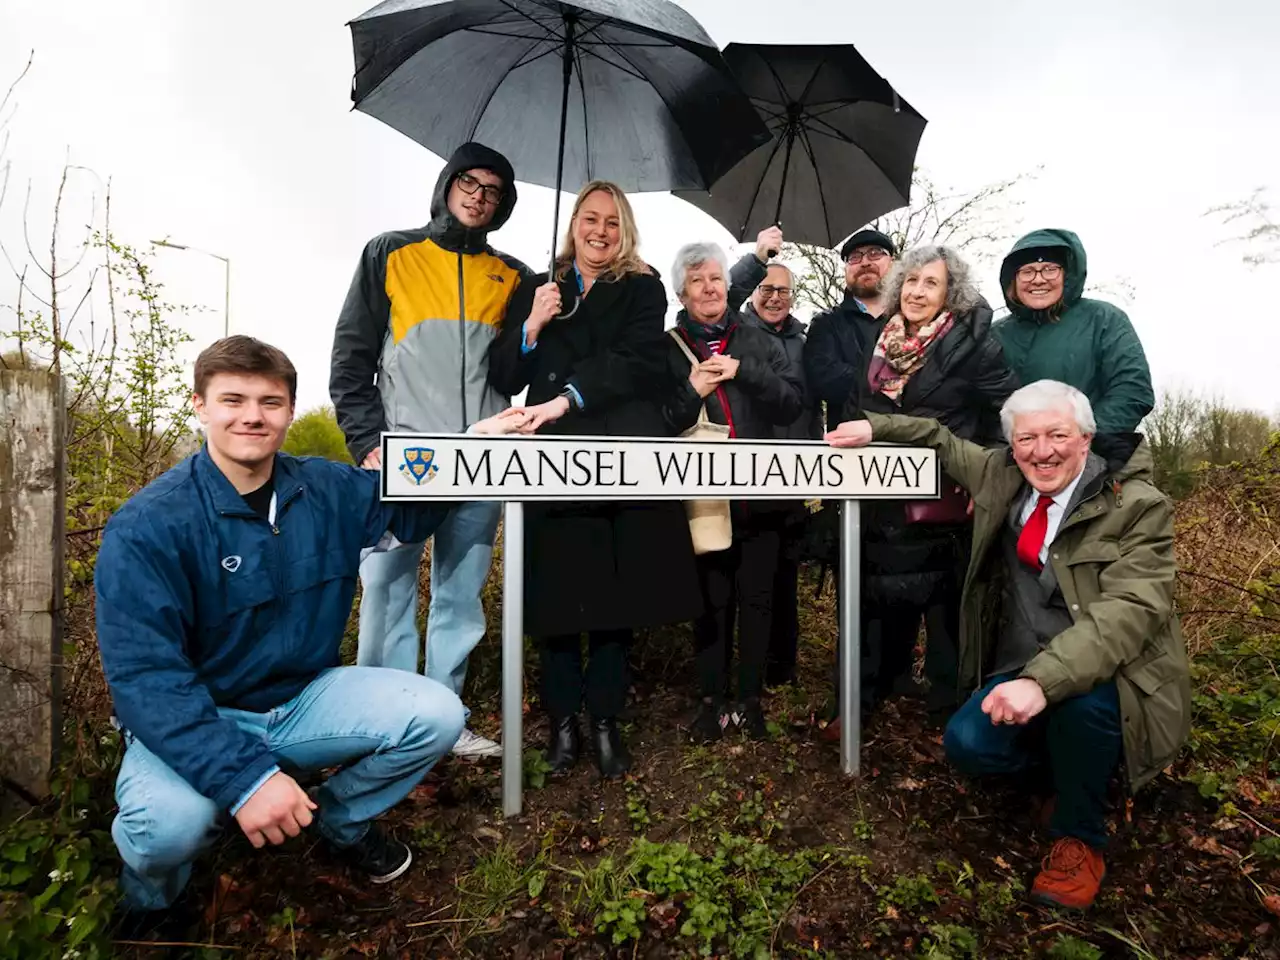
755, 196
586, 127
817, 174
629, 69
494, 92
524, 62
550, 33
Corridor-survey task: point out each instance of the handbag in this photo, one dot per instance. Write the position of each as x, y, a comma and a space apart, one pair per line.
951, 507
710, 523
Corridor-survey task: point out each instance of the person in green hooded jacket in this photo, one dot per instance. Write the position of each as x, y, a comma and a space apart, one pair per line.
1054, 332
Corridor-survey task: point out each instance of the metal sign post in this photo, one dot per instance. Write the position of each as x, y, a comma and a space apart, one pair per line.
517, 469
512, 657
850, 606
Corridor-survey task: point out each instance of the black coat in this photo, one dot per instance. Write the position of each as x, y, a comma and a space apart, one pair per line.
838, 343
962, 385
766, 394
599, 566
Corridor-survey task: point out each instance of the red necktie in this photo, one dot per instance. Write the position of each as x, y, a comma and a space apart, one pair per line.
1031, 539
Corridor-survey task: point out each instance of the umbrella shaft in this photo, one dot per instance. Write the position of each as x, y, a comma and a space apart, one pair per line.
564, 118
786, 168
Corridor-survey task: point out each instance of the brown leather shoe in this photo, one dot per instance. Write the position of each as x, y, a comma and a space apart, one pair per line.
1070, 876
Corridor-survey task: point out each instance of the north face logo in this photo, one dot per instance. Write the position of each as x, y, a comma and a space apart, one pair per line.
231, 564
496, 277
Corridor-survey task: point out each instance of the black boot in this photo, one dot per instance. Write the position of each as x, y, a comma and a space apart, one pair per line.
562, 751
611, 753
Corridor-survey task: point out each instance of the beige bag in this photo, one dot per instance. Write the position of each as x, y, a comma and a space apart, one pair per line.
710, 525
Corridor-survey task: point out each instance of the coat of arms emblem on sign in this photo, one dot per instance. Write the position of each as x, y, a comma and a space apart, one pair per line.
418, 466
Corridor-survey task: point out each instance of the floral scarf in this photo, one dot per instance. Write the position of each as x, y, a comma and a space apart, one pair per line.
898, 356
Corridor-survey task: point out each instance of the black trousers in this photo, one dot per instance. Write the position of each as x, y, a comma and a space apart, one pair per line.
604, 682
784, 631
889, 633
737, 584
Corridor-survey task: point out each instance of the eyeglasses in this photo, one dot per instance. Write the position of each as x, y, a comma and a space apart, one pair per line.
771, 291
470, 185
1046, 271
871, 255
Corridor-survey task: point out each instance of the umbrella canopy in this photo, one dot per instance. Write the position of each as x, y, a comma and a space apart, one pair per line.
842, 151
632, 91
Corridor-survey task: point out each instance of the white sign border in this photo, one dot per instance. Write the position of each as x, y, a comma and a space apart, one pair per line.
526, 497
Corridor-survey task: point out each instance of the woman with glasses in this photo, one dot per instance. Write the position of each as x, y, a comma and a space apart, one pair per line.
589, 347
933, 356
1054, 332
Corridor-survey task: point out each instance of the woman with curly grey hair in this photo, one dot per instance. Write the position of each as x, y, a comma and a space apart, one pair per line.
933, 356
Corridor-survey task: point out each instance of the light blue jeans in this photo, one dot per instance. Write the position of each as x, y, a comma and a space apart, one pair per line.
385, 728
462, 548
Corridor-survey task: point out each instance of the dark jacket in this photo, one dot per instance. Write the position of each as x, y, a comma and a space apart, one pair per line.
766, 393
746, 275
833, 353
201, 604
1113, 559
409, 348
600, 566
1092, 346
962, 384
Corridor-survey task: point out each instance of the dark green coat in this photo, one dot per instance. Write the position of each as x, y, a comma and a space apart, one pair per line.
1092, 346
1113, 557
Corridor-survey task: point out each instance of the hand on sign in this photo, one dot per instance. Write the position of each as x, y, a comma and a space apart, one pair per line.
543, 413
511, 420
851, 433
703, 382
373, 459
1015, 701
722, 367
768, 243
278, 809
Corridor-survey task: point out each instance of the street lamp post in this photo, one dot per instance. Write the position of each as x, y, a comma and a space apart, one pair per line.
226, 262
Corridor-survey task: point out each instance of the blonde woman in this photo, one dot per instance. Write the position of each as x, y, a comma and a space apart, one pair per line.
596, 367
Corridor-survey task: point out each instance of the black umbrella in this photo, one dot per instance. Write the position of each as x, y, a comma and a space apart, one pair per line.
632, 91
842, 151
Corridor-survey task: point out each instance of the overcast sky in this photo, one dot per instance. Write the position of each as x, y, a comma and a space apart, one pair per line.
228, 126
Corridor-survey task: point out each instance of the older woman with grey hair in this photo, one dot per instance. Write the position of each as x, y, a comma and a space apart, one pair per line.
738, 373
933, 356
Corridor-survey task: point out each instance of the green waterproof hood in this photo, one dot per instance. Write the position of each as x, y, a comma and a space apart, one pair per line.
1077, 266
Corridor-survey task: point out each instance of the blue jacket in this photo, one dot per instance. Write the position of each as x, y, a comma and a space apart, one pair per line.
202, 604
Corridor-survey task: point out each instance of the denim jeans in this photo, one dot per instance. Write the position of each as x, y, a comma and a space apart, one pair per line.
1079, 738
385, 728
460, 554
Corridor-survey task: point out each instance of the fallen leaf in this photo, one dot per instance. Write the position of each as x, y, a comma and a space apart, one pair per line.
487, 833
1001, 862
1272, 902
1148, 891
1211, 845
909, 783
891, 912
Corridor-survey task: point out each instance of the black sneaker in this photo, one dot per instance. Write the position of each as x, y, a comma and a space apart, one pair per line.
379, 855
749, 717
709, 722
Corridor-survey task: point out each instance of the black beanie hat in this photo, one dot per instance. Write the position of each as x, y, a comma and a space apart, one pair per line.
1020, 258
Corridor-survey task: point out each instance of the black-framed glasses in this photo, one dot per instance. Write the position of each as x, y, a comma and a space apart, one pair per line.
1046, 271
470, 185
871, 255
769, 291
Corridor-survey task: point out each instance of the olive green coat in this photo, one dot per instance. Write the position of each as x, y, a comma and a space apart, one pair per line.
1113, 557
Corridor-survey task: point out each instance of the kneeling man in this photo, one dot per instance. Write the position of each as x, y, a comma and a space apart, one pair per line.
1068, 633
223, 589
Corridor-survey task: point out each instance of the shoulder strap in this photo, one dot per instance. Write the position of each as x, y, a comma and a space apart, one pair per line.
684, 347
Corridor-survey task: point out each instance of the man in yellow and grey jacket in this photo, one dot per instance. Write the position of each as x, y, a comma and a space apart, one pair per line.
409, 353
